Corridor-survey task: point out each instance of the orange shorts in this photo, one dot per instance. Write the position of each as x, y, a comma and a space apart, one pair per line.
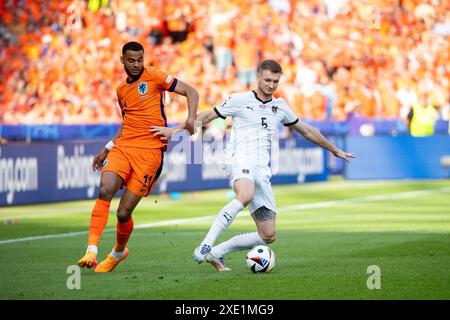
139, 168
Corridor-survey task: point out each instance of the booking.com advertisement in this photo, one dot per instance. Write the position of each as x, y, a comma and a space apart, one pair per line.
52, 171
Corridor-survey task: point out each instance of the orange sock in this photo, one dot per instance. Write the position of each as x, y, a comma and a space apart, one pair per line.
99, 218
124, 230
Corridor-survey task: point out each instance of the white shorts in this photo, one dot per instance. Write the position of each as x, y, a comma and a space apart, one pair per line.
261, 178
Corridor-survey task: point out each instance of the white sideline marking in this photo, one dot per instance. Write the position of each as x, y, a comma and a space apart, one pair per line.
381, 197
306, 206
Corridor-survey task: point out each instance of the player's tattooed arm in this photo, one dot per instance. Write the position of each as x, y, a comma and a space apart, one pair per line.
312, 134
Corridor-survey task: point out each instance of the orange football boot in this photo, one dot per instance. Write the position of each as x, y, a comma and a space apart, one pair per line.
88, 261
110, 262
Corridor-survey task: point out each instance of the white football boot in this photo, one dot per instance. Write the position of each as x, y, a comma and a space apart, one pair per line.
201, 252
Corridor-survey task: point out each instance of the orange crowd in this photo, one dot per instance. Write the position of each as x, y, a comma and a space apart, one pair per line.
60, 60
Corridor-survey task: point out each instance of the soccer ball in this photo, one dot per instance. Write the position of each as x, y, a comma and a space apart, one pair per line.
261, 259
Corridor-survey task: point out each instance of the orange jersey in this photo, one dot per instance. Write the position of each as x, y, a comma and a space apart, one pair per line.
142, 106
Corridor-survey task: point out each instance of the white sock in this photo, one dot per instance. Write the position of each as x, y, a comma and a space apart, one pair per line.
92, 248
116, 254
223, 221
239, 242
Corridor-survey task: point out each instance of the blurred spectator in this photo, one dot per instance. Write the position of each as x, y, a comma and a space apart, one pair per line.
422, 117
407, 98
59, 60
246, 55
222, 30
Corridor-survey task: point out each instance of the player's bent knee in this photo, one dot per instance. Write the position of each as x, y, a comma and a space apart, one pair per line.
105, 193
270, 238
245, 199
123, 215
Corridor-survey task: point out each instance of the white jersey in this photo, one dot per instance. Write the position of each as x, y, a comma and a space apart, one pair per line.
254, 126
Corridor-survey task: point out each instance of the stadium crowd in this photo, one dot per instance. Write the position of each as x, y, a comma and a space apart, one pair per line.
60, 60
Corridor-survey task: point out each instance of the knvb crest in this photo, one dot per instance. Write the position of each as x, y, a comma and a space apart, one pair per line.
142, 87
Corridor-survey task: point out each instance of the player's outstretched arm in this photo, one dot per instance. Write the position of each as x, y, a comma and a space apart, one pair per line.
192, 96
165, 133
312, 134
206, 117
97, 164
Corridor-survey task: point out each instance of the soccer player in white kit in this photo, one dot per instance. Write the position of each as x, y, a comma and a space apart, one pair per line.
255, 116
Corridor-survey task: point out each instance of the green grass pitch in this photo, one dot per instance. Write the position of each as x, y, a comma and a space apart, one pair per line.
323, 250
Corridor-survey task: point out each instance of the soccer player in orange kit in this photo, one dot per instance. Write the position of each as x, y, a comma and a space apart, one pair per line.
133, 158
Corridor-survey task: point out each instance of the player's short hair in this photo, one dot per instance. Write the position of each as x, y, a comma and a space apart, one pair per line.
270, 65
133, 46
